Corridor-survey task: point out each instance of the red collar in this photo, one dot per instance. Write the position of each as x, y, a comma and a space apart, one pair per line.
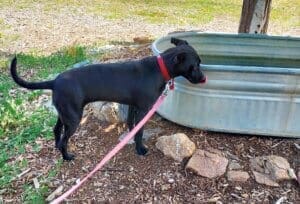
164, 71
163, 68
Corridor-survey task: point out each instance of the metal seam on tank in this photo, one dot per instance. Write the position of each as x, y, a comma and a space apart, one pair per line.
292, 97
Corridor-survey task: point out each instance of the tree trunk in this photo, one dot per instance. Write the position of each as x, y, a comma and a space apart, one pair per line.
255, 16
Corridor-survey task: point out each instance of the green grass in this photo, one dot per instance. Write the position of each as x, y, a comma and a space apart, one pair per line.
286, 13
185, 12
20, 4
36, 196
21, 125
32, 195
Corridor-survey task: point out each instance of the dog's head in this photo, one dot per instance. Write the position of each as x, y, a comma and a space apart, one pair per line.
186, 61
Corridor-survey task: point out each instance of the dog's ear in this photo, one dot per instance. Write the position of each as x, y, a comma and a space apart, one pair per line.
177, 41
179, 58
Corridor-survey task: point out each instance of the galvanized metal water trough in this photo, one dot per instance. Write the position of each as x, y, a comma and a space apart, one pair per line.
253, 85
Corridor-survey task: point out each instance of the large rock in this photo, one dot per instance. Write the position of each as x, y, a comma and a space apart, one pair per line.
177, 146
271, 168
210, 163
264, 179
237, 176
234, 165
109, 111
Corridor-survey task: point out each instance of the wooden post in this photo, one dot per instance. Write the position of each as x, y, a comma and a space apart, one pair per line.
255, 16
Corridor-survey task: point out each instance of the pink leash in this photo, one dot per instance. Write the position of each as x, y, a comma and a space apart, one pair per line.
115, 150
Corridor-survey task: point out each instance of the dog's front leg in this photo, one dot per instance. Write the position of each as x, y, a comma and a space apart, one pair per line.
138, 138
131, 117
139, 146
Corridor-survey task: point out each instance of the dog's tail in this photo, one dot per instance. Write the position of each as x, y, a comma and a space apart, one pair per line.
25, 84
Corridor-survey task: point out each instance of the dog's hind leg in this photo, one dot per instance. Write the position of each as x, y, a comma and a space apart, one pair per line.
63, 143
70, 119
57, 131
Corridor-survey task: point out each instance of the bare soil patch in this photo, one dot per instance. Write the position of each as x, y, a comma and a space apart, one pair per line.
43, 31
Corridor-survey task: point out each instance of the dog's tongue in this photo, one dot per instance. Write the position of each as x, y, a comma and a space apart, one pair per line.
203, 80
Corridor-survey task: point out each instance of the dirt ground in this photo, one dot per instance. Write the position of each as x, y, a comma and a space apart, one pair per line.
129, 178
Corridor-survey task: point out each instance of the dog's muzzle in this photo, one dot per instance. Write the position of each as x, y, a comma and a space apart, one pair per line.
203, 80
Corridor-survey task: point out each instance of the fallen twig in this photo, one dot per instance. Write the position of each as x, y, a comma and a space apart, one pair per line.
236, 196
275, 145
297, 146
57, 192
280, 200
36, 183
23, 173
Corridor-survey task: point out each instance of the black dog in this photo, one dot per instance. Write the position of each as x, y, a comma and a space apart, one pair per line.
136, 83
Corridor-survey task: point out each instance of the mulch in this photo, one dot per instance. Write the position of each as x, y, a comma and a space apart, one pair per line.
129, 178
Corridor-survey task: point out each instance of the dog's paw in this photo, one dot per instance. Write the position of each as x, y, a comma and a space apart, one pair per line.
68, 157
142, 151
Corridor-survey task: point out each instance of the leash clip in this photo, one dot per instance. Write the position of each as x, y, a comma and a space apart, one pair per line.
166, 90
169, 86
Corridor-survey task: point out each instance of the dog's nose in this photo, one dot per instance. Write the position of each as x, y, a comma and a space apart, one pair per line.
203, 80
